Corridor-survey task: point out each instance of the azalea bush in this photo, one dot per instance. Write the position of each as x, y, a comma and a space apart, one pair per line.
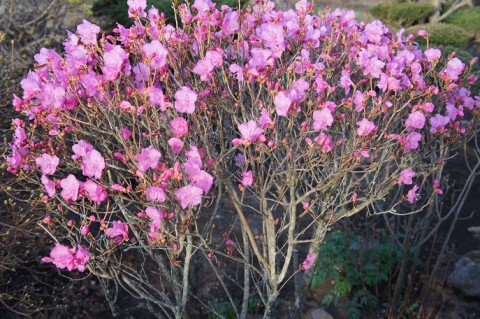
298, 120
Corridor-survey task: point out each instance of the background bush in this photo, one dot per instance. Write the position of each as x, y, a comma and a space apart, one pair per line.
402, 14
466, 18
442, 34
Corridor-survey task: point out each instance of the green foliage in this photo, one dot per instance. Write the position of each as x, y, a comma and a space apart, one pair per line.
466, 18
117, 10
402, 14
355, 269
442, 34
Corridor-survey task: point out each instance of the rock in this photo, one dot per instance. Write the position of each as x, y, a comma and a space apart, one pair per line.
475, 230
320, 313
466, 275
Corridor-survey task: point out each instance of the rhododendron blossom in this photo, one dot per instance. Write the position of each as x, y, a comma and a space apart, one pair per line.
137, 7
282, 104
176, 144
88, 32
247, 178
49, 186
185, 99
412, 195
48, 163
63, 257
412, 140
322, 119
149, 158
454, 68
179, 126
81, 149
70, 187
156, 194
189, 195
93, 164
95, 191
118, 231
406, 176
365, 127
309, 261
415, 120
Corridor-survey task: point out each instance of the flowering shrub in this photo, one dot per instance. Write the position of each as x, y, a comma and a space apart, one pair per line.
302, 119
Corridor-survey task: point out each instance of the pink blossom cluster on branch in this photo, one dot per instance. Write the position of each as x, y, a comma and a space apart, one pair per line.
148, 117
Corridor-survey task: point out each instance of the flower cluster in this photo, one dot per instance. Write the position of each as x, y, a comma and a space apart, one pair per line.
137, 129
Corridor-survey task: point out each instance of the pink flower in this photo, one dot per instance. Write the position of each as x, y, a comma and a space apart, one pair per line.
454, 68
149, 158
415, 120
273, 37
52, 96
157, 217
322, 119
70, 186
126, 133
264, 119
261, 58
247, 178
250, 131
93, 164
365, 127
406, 176
81, 258
309, 261
411, 141
179, 126
205, 66
61, 256
230, 22
202, 179
118, 187
156, 97
88, 32
436, 187
412, 195
176, 144
345, 81
185, 99
115, 57
48, 163
282, 104
126, 106
85, 230
422, 33
20, 136
374, 31
137, 8
95, 192
428, 107
325, 141
49, 186
189, 195
81, 149
202, 6
156, 53
237, 70
438, 122
118, 231
432, 55
156, 194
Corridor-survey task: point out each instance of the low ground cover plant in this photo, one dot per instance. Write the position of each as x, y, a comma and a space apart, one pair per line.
299, 120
